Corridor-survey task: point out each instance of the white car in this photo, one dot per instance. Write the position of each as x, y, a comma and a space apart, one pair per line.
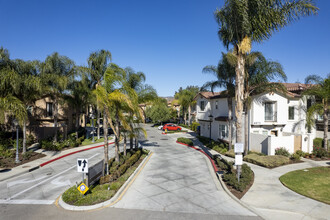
160, 127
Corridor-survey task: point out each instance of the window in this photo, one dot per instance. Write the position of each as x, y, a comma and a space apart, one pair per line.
216, 104
309, 103
223, 131
49, 109
202, 105
265, 132
270, 114
291, 113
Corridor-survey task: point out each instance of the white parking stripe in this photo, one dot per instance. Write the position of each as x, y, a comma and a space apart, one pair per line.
34, 186
27, 201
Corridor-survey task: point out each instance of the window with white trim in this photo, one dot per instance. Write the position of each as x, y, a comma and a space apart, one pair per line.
202, 105
291, 113
223, 131
270, 112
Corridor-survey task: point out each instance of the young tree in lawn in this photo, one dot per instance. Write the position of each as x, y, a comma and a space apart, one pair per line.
244, 21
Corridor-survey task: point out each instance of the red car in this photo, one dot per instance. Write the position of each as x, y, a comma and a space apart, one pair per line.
171, 127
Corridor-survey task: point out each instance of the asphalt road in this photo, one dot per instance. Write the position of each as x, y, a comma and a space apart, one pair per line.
176, 193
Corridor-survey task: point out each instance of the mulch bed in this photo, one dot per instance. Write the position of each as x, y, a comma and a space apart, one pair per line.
8, 163
238, 193
318, 158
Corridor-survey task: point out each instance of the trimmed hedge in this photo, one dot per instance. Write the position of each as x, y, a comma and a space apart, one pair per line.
185, 141
267, 161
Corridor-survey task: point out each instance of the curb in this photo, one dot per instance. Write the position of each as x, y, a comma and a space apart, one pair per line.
116, 198
50, 161
68, 154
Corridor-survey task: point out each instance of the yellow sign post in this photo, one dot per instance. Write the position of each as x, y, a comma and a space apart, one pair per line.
83, 188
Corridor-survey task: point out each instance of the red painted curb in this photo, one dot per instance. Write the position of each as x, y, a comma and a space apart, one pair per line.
212, 161
65, 155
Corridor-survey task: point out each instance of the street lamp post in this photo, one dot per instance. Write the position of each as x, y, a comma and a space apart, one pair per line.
92, 116
15, 122
211, 119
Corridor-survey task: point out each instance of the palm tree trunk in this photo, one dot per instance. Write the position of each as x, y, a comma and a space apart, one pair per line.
77, 122
106, 147
189, 115
184, 115
239, 95
131, 136
24, 137
117, 137
246, 132
125, 140
98, 122
230, 104
55, 120
326, 124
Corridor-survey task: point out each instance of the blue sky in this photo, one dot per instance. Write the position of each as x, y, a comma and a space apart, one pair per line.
169, 40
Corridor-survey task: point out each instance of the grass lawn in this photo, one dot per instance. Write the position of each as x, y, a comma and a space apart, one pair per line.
312, 182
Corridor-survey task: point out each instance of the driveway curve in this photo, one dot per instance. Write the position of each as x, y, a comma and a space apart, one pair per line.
178, 179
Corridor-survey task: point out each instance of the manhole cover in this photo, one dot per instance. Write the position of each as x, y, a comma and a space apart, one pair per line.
48, 174
164, 139
25, 166
152, 136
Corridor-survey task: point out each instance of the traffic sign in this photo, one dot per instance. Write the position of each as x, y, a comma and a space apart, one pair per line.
83, 188
238, 159
82, 165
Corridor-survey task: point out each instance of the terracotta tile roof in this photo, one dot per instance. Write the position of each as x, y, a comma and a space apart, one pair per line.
212, 95
296, 87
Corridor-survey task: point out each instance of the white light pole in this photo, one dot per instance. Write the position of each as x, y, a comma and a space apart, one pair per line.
15, 122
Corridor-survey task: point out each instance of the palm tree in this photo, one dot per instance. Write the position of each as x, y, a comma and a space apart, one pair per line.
225, 73
80, 96
98, 63
9, 103
57, 72
186, 100
321, 91
29, 87
259, 74
244, 21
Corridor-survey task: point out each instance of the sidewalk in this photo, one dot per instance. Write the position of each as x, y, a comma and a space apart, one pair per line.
272, 199
50, 157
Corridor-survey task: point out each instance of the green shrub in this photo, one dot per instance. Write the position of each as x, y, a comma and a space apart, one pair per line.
194, 126
320, 152
318, 142
282, 151
30, 140
185, 141
230, 153
267, 161
300, 153
257, 153
5, 152
295, 157
246, 178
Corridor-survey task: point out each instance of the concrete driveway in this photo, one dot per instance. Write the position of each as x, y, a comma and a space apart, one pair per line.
178, 179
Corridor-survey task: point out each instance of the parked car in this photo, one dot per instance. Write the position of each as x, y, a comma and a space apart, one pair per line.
171, 127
